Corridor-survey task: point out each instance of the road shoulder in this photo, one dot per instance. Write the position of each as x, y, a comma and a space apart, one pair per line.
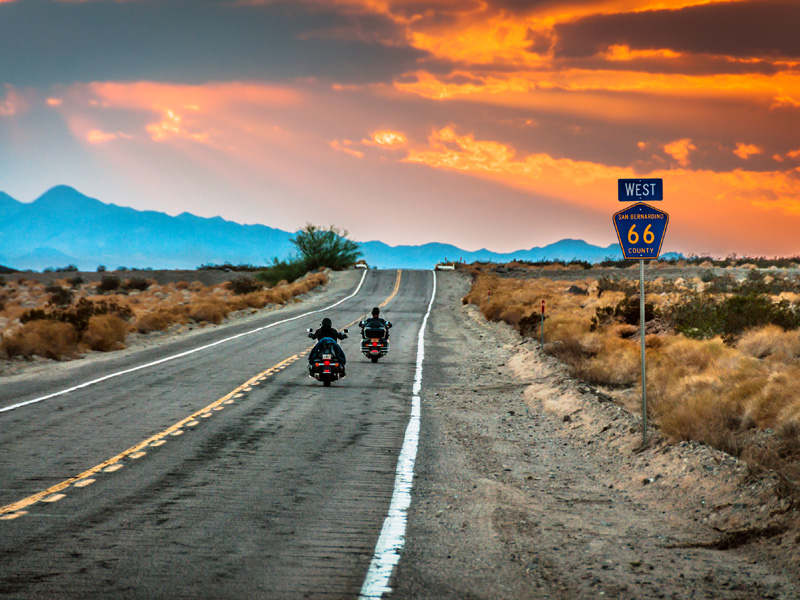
529, 486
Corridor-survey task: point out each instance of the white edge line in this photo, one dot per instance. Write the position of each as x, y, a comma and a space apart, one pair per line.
175, 356
392, 537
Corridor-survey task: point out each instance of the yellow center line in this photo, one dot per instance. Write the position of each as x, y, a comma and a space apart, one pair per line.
25, 502
112, 463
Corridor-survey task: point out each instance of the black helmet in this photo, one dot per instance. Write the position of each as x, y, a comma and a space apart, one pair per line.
376, 311
326, 322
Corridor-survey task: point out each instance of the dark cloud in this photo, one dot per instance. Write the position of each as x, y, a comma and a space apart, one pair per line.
191, 41
763, 28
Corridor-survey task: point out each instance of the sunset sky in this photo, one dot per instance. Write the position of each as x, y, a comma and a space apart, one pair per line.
502, 124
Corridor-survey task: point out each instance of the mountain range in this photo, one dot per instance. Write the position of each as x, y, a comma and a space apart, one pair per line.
63, 227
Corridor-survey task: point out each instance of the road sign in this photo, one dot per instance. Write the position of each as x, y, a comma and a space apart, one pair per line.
640, 230
640, 190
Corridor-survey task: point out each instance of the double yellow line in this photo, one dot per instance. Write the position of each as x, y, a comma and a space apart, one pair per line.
53, 493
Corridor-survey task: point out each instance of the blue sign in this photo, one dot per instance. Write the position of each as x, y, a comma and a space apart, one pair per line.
640, 230
640, 190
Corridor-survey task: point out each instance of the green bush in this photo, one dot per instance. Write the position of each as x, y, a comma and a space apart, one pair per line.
282, 270
325, 248
704, 316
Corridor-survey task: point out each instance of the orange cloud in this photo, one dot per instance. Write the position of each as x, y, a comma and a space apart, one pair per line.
95, 136
448, 150
707, 209
344, 146
679, 150
745, 151
387, 139
186, 111
624, 53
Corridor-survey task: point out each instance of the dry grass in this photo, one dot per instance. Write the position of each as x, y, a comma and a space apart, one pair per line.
706, 390
50, 339
105, 333
155, 308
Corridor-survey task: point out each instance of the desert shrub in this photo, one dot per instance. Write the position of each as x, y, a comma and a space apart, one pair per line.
59, 296
626, 311
243, 284
208, 311
78, 314
282, 270
182, 285
75, 281
605, 284
770, 341
703, 316
159, 319
105, 333
617, 362
109, 283
135, 283
49, 339
278, 294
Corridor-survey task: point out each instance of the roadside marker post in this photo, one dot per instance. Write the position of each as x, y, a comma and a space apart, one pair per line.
542, 327
640, 230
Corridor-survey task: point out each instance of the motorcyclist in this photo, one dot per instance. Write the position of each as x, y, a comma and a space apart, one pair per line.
326, 330
376, 322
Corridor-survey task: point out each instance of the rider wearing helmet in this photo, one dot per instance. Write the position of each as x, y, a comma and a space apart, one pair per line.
376, 322
326, 330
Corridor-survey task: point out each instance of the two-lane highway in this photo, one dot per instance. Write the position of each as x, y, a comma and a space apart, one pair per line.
218, 472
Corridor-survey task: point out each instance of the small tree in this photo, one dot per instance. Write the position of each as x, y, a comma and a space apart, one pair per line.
320, 248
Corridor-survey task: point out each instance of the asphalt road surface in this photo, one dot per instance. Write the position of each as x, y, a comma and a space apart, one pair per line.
223, 473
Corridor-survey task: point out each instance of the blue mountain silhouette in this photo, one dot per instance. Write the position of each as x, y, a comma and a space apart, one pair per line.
64, 227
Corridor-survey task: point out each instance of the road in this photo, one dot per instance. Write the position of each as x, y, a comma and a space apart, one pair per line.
224, 472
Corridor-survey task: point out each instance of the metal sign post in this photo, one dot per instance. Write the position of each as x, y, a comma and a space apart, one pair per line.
542, 327
640, 230
642, 346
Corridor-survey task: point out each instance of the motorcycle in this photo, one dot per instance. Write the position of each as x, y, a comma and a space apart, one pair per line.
326, 360
374, 340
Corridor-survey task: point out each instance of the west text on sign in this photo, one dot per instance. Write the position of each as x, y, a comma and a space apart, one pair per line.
640, 190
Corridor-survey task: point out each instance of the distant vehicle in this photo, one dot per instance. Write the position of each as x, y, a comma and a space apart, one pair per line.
445, 266
361, 264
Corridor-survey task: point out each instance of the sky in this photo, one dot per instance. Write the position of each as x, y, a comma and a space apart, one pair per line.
499, 124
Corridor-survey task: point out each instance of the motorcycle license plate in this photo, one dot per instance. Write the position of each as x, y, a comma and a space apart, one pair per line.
324, 356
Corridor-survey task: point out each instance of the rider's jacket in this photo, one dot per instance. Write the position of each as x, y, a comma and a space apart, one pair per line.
328, 332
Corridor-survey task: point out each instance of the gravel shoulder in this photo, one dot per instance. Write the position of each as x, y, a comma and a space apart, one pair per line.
528, 485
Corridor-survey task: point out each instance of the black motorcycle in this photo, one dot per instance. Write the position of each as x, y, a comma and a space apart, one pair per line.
374, 340
326, 360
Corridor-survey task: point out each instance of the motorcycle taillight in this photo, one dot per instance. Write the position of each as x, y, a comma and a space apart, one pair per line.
327, 363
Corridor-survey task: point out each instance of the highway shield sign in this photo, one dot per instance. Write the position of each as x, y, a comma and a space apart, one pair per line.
640, 230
